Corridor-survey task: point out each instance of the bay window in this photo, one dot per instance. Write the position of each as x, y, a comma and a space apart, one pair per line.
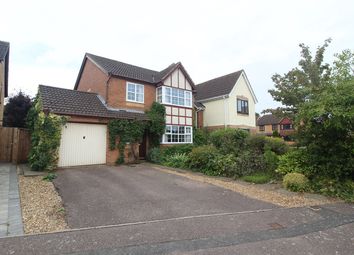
174, 96
177, 134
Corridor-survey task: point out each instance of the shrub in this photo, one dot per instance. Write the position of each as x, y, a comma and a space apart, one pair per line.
154, 155
276, 145
293, 161
258, 178
229, 140
177, 149
248, 163
200, 136
204, 159
256, 143
225, 165
296, 182
179, 160
334, 188
49, 177
271, 161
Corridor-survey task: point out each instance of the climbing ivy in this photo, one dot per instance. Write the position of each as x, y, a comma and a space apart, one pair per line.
45, 137
122, 132
156, 124
125, 131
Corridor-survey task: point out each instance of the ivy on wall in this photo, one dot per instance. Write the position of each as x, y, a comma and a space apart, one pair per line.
127, 131
45, 137
122, 132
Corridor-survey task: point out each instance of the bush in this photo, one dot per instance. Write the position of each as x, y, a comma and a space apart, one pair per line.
204, 159
248, 163
179, 160
200, 136
229, 140
296, 182
276, 145
225, 165
256, 143
176, 149
334, 188
271, 161
292, 162
258, 178
154, 155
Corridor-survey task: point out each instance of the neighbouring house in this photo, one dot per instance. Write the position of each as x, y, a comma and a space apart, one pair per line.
269, 123
4, 75
108, 89
228, 101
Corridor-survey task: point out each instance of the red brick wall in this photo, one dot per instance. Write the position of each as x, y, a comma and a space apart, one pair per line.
200, 119
117, 95
93, 79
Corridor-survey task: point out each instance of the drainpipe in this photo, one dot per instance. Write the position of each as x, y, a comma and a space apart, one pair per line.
107, 84
225, 108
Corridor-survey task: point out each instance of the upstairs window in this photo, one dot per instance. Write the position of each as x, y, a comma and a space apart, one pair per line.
135, 92
174, 96
242, 106
274, 127
286, 127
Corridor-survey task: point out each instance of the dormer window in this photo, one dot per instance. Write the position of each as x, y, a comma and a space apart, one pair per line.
135, 92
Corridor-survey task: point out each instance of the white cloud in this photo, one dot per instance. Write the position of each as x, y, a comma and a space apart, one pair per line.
211, 38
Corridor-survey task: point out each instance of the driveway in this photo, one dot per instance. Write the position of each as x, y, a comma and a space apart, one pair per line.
103, 195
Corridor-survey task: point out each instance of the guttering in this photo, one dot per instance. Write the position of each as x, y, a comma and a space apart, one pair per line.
213, 98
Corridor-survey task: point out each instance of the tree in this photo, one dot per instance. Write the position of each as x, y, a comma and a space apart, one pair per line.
16, 110
301, 83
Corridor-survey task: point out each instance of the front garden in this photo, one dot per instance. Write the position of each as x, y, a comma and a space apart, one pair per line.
257, 159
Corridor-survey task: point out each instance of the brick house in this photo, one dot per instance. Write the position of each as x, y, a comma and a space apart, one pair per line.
228, 101
107, 89
269, 123
4, 75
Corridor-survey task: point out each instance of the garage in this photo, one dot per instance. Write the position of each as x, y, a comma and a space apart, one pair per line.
82, 144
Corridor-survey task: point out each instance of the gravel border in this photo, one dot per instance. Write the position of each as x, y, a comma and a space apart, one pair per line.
276, 195
42, 207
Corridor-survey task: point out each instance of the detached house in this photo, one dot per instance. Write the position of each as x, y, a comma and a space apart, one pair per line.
107, 89
4, 75
269, 123
228, 101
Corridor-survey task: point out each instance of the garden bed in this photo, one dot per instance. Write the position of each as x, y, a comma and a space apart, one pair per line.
42, 208
272, 193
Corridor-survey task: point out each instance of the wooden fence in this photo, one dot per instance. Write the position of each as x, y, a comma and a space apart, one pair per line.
15, 144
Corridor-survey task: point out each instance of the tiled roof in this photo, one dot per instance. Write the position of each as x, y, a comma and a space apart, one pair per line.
4, 49
217, 87
121, 69
268, 119
74, 102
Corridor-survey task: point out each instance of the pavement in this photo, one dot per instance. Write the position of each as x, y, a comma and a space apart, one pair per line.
104, 195
151, 212
10, 209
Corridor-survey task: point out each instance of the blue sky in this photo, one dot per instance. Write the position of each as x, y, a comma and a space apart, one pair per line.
211, 38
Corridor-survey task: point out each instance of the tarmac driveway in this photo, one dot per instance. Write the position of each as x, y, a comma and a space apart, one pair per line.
104, 195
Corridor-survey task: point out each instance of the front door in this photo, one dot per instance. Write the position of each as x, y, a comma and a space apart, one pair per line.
142, 147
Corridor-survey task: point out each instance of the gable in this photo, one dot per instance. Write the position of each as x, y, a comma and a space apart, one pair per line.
243, 88
177, 79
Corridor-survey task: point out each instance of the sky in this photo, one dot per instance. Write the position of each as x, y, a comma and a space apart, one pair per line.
48, 39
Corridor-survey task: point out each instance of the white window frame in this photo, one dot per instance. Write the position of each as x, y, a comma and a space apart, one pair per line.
175, 94
135, 92
177, 134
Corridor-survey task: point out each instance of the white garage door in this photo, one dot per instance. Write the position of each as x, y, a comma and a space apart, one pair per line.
82, 144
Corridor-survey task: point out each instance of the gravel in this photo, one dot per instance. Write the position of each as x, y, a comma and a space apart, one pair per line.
42, 207
266, 193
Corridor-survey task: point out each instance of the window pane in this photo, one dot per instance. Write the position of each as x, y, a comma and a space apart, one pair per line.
139, 98
180, 101
238, 105
168, 91
188, 95
131, 96
139, 89
175, 138
181, 93
188, 130
175, 92
175, 100
188, 102
131, 87
168, 99
181, 138
188, 138
175, 129
168, 129
169, 138
181, 130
